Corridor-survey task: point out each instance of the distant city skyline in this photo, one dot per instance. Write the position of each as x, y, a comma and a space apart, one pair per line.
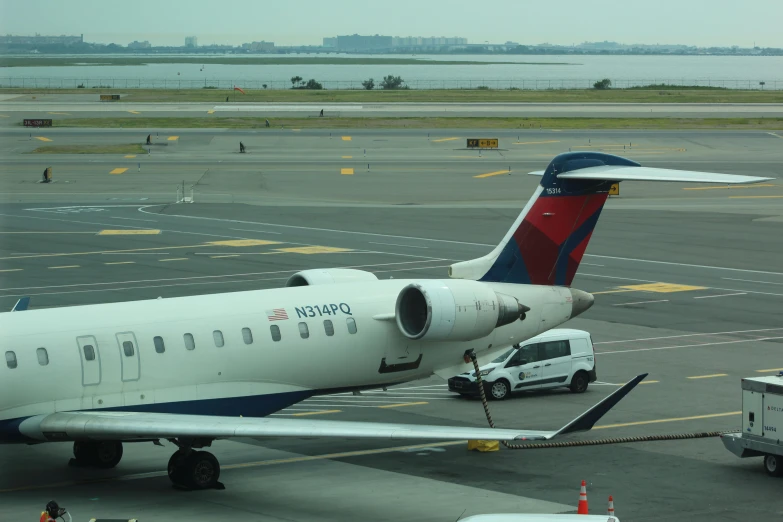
702, 23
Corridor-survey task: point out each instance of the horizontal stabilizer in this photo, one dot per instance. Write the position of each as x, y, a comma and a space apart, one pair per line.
624, 173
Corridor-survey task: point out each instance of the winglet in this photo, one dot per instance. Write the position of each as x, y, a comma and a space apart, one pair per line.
588, 419
21, 305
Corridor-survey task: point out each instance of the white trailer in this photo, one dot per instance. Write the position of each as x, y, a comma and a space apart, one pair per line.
762, 423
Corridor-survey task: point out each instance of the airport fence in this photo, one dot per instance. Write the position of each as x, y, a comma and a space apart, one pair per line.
473, 84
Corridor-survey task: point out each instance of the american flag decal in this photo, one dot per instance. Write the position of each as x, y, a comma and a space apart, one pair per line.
278, 314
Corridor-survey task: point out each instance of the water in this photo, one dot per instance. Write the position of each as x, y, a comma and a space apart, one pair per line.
744, 72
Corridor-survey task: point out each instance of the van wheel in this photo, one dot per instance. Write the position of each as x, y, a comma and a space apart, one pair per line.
499, 389
579, 382
773, 465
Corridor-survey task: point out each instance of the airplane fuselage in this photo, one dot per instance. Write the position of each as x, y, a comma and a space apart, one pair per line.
245, 353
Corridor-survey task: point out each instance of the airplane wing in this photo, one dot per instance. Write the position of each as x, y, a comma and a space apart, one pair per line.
128, 426
622, 173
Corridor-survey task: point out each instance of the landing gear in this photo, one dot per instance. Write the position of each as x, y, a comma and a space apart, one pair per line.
99, 454
190, 469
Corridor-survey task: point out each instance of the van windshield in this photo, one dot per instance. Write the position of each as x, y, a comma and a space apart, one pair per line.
504, 356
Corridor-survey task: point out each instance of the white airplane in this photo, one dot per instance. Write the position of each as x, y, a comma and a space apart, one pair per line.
195, 369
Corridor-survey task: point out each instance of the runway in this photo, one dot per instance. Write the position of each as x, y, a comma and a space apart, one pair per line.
64, 107
688, 284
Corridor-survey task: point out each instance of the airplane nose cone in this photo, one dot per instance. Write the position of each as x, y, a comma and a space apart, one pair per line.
581, 302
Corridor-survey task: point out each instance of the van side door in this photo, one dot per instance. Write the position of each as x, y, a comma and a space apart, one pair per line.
556, 363
524, 368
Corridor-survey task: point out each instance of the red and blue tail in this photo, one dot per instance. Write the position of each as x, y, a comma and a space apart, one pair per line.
547, 241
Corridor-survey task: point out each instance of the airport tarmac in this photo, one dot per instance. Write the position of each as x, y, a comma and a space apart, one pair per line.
688, 283
65, 106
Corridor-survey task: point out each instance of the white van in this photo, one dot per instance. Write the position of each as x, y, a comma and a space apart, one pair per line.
555, 358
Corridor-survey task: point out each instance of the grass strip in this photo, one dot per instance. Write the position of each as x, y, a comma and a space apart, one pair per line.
128, 148
425, 123
218, 96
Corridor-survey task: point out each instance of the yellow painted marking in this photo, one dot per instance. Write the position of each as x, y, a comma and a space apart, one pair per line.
468, 157
346, 138
347, 157
675, 419
535, 142
211, 111
134, 112
296, 130
120, 263
130, 155
444, 139
28, 232
770, 370
346, 171
724, 187
754, 197
42, 138
4, 116
708, 376
496, 173
65, 266
649, 382
315, 249
63, 113
129, 232
243, 242
174, 259
305, 413
172, 138
12, 270
663, 288
119, 170
403, 404
220, 257
613, 292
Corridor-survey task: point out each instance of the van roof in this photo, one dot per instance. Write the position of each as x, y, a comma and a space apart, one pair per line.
558, 332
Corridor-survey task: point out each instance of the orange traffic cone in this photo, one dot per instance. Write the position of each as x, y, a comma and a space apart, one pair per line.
611, 507
582, 507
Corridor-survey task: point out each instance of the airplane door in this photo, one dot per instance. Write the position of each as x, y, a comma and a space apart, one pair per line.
524, 368
556, 362
91, 360
129, 356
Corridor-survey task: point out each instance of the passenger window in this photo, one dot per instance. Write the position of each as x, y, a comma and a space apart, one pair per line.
247, 336
275, 332
328, 327
217, 335
10, 359
160, 347
43, 356
351, 325
190, 343
89, 352
555, 349
127, 347
304, 332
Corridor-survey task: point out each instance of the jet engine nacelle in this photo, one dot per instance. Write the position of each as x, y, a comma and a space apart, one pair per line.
453, 310
329, 276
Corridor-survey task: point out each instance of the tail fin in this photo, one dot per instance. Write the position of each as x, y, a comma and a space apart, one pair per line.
546, 243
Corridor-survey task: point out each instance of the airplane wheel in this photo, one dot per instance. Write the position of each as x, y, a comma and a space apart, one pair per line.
197, 470
201, 470
105, 454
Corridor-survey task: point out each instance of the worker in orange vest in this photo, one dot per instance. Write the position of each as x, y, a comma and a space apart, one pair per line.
53, 512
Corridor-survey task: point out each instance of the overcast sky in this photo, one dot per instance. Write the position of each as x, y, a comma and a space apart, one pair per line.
290, 22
